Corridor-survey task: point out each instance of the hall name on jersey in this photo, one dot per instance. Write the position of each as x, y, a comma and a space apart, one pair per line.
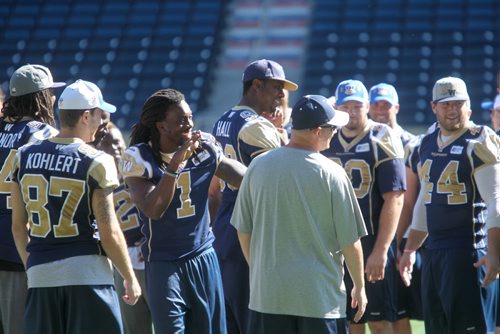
223, 129
52, 162
8, 140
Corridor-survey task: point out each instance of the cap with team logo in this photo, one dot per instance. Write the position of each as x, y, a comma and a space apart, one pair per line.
351, 90
312, 111
449, 89
267, 69
83, 95
30, 79
384, 92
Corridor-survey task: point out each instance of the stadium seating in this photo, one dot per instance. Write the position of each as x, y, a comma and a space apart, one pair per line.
409, 44
131, 49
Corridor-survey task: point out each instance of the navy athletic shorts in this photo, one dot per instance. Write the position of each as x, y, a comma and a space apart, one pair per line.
186, 296
452, 296
76, 309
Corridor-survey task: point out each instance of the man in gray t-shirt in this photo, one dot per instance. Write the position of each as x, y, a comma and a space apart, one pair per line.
297, 219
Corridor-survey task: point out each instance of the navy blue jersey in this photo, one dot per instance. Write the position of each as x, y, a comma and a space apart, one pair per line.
13, 136
184, 229
243, 135
57, 178
128, 215
374, 162
456, 213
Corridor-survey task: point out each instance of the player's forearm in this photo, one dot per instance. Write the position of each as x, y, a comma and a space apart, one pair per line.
20, 226
152, 200
231, 171
20, 234
110, 234
388, 221
115, 246
410, 198
415, 239
158, 200
353, 255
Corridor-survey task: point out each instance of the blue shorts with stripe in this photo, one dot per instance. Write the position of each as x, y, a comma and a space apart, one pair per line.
186, 296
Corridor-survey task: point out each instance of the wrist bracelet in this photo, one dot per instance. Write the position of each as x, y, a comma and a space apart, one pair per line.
409, 250
169, 173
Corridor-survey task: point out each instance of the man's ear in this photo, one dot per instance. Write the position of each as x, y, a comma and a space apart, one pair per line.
85, 116
160, 126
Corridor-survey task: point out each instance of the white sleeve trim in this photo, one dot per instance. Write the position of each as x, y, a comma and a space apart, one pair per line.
488, 185
419, 218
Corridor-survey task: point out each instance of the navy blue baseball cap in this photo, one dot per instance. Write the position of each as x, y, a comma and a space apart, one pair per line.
267, 69
312, 111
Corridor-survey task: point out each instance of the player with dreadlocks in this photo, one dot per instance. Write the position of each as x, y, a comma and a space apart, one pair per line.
168, 169
27, 116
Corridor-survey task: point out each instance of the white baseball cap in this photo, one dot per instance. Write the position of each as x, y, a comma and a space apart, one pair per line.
83, 95
450, 89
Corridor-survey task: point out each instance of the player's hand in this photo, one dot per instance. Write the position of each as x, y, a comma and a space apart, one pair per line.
406, 267
100, 133
492, 267
375, 266
359, 300
275, 117
132, 291
187, 149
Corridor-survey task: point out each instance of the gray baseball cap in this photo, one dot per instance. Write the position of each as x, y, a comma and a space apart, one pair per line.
30, 79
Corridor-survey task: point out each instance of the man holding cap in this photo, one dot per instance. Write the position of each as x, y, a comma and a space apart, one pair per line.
27, 116
244, 134
288, 240
372, 155
62, 189
458, 212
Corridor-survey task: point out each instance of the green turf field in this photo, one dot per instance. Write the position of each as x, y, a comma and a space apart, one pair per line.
417, 327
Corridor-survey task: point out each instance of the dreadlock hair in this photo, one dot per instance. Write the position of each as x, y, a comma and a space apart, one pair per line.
154, 110
37, 105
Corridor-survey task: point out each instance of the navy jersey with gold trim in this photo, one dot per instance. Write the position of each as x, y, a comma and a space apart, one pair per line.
243, 135
128, 215
184, 228
374, 162
456, 213
57, 178
13, 136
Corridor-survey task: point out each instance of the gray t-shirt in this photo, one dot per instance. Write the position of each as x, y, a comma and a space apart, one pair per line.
301, 210
76, 270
